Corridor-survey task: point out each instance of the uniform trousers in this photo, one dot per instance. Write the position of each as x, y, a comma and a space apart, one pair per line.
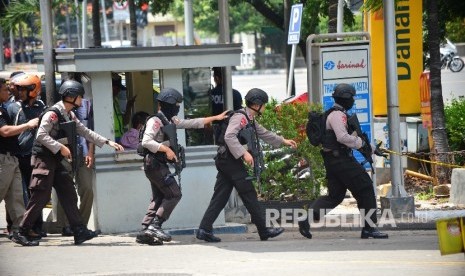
84, 183
48, 172
25, 167
344, 173
11, 189
165, 191
232, 173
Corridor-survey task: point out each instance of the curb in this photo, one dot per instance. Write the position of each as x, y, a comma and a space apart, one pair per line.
229, 228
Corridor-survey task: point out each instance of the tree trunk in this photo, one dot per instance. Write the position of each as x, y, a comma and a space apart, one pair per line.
437, 104
132, 22
96, 23
332, 16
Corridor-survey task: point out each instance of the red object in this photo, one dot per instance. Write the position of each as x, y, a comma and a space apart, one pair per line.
144, 7
302, 98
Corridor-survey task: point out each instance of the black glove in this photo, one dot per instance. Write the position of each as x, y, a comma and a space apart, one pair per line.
366, 147
379, 151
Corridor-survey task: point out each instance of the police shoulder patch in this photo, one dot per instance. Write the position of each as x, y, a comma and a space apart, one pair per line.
243, 122
53, 117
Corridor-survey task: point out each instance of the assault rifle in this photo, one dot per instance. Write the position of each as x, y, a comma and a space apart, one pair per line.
365, 150
69, 128
249, 135
170, 131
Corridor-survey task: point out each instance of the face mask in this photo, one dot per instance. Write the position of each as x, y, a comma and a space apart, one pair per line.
345, 103
170, 110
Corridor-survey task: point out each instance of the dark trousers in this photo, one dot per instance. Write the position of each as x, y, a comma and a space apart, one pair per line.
26, 172
232, 173
344, 172
48, 172
165, 191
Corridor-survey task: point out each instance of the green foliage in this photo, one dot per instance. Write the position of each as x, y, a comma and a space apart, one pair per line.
206, 17
289, 120
455, 30
455, 127
425, 195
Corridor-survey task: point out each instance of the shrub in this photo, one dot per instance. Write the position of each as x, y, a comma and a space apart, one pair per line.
278, 181
455, 127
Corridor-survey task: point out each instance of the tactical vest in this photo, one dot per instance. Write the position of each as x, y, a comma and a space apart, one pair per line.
223, 125
143, 151
330, 139
41, 150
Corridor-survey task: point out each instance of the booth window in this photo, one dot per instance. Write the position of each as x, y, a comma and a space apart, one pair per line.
197, 103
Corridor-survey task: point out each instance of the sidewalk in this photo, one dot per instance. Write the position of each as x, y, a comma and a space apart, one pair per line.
345, 217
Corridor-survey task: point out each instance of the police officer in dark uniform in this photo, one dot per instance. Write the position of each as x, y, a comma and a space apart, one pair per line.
166, 192
27, 108
342, 169
232, 171
50, 147
10, 177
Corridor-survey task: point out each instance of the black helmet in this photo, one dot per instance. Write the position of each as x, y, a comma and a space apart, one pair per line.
71, 88
170, 96
256, 96
344, 90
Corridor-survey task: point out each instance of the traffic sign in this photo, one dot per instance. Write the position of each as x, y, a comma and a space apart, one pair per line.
295, 21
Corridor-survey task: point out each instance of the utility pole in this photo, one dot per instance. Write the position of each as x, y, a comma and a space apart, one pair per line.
224, 38
47, 41
189, 22
105, 22
399, 203
78, 28
84, 24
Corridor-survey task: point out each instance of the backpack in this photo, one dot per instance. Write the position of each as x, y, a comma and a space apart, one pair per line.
316, 126
140, 149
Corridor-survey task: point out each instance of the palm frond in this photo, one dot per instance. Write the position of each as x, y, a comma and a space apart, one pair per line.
18, 11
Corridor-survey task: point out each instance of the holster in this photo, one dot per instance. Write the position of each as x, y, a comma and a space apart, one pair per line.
151, 162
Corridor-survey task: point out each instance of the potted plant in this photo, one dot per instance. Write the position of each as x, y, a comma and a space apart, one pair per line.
292, 178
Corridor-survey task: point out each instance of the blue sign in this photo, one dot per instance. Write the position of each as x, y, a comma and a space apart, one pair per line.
295, 21
348, 64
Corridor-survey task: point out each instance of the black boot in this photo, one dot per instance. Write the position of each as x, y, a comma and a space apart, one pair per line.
270, 232
144, 238
20, 237
67, 231
207, 236
304, 229
371, 232
155, 230
82, 234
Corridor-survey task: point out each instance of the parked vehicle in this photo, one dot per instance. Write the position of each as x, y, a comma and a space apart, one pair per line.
449, 57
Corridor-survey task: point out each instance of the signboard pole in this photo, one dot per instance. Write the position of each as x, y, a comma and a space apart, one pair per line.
291, 71
293, 38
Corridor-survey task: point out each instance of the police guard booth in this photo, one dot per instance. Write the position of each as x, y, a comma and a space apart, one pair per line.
121, 191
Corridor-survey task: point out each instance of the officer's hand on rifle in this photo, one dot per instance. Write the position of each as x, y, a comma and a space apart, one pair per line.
290, 143
379, 151
65, 152
170, 155
366, 148
248, 158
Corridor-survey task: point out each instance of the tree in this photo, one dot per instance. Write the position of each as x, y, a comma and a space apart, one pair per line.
441, 144
272, 12
96, 23
132, 22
